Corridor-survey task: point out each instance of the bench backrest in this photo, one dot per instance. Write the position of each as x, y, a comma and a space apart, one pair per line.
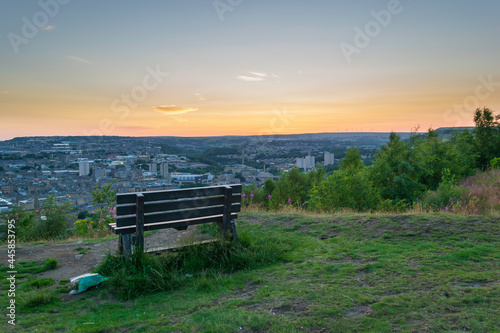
177, 208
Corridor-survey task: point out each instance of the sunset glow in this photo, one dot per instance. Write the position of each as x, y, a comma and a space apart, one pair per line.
178, 68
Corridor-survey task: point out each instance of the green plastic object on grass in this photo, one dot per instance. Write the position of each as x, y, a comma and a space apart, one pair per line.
86, 281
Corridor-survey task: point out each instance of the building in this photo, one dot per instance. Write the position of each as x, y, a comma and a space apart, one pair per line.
84, 168
99, 173
5, 205
153, 168
7, 189
164, 171
115, 164
187, 178
145, 158
226, 179
27, 204
329, 158
306, 163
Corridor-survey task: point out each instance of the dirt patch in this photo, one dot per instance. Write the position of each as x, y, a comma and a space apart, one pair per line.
352, 261
474, 284
359, 311
81, 257
362, 279
296, 307
239, 294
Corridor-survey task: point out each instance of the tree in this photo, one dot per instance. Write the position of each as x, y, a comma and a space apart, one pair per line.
83, 214
316, 177
269, 186
348, 188
294, 186
25, 223
56, 220
397, 171
486, 136
461, 153
104, 198
352, 161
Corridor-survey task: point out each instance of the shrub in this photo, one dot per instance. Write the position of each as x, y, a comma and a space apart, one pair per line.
495, 163
50, 263
41, 297
344, 189
144, 274
447, 196
56, 220
39, 283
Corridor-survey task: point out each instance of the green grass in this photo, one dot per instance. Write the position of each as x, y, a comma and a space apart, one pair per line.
298, 273
82, 250
37, 283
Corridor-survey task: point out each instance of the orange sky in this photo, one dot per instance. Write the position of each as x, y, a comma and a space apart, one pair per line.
262, 68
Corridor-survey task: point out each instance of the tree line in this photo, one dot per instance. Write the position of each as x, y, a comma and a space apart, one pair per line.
404, 172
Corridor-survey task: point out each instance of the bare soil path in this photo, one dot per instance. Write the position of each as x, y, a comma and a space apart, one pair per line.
72, 264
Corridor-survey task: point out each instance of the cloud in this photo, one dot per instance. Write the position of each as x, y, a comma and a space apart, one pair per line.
79, 59
249, 78
49, 27
257, 76
172, 109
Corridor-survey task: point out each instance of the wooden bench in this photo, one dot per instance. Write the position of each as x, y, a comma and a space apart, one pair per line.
179, 209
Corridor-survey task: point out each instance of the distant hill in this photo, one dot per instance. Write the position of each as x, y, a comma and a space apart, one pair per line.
373, 139
445, 132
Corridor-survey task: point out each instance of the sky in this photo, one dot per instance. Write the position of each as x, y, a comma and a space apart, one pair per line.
244, 67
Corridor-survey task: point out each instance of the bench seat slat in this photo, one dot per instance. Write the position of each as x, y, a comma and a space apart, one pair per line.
128, 198
170, 224
176, 215
160, 206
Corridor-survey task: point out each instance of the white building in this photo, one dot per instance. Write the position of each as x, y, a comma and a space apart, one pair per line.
164, 171
179, 178
306, 163
5, 205
301, 163
329, 158
84, 168
153, 168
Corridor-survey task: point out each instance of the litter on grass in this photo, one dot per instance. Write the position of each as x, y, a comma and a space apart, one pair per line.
83, 282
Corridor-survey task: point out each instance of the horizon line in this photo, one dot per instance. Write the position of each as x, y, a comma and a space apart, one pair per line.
225, 136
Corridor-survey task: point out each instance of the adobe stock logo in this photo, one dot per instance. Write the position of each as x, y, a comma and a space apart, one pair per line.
460, 112
223, 6
129, 101
277, 124
39, 21
372, 29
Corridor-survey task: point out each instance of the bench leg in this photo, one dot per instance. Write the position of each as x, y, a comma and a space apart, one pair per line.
233, 229
125, 245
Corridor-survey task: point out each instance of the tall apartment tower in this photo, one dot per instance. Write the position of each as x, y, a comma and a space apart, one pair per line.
310, 162
306, 163
164, 171
329, 159
153, 167
84, 168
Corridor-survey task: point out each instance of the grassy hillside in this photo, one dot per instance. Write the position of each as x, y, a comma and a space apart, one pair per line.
340, 273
